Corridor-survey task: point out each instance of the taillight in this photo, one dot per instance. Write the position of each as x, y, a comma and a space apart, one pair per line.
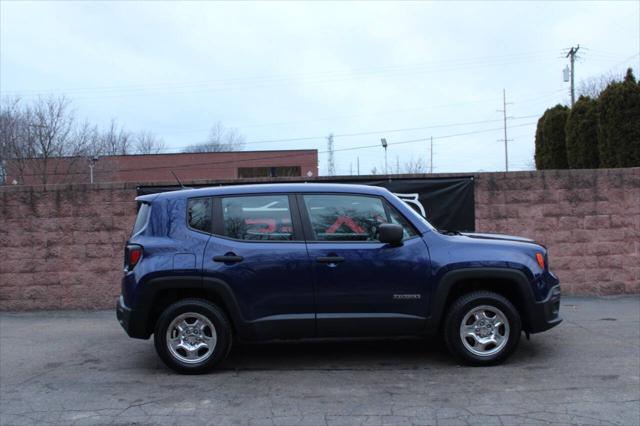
133, 254
540, 259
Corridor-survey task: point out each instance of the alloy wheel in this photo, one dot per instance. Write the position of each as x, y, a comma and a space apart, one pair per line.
191, 338
484, 330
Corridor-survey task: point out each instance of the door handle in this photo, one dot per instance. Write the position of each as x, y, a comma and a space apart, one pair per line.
228, 258
329, 259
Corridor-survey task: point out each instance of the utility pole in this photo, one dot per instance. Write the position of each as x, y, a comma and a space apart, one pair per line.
431, 156
358, 167
331, 166
397, 164
506, 140
572, 58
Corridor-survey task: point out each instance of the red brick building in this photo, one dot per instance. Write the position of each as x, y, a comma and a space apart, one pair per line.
158, 167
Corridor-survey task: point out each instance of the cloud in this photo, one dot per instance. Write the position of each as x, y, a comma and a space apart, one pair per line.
286, 69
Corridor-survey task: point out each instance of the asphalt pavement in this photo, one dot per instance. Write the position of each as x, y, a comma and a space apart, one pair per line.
80, 368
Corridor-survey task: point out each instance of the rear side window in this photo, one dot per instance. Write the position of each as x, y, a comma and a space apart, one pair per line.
142, 218
258, 217
199, 214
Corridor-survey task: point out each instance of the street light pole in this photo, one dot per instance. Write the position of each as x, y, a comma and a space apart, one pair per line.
92, 164
384, 145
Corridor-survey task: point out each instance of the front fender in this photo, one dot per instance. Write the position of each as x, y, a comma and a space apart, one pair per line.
450, 279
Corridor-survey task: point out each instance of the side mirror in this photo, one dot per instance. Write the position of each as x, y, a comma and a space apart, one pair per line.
390, 233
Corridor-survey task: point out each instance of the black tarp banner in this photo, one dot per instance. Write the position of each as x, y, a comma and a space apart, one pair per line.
447, 203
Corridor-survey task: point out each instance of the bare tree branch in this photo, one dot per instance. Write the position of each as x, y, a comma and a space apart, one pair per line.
414, 166
148, 143
593, 86
220, 139
116, 141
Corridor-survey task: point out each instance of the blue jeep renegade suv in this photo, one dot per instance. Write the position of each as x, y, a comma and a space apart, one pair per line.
287, 261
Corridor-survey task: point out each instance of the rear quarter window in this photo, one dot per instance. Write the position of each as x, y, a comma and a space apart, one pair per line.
142, 218
199, 214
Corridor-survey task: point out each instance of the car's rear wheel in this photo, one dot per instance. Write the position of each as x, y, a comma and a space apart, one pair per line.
192, 336
482, 328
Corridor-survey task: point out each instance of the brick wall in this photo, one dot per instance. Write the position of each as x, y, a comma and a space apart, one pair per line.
155, 167
61, 245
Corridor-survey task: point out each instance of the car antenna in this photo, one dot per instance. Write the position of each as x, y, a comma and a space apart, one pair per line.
179, 183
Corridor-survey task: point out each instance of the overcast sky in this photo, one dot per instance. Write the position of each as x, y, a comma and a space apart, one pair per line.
285, 70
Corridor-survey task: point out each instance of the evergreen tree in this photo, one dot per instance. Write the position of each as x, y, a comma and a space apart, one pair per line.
539, 144
619, 123
551, 148
582, 134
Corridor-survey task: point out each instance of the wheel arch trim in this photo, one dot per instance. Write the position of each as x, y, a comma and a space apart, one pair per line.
452, 278
208, 286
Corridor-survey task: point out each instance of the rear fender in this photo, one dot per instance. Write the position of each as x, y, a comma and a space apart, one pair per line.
187, 286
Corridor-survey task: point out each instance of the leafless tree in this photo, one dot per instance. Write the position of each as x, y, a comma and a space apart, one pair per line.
593, 86
116, 140
148, 143
416, 165
220, 139
87, 136
36, 135
13, 128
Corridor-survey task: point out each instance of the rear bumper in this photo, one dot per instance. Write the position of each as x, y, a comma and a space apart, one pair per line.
131, 320
546, 314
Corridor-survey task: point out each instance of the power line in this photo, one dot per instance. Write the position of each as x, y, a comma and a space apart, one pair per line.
430, 66
368, 133
541, 95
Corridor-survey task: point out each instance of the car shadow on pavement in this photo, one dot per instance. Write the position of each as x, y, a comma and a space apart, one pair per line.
362, 355
343, 355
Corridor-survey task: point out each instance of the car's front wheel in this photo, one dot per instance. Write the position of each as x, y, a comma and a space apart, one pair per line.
192, 336
482, 328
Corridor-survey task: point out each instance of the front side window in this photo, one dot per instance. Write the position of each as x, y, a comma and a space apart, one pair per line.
345, 217
407, 229
351, 217
199, 214
257, 217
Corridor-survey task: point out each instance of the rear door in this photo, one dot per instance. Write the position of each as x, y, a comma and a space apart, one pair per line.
364, 287
258, 250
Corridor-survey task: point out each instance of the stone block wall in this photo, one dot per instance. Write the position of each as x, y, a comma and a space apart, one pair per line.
588, 219
61, 246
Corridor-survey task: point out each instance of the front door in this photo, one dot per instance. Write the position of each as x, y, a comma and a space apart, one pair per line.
259, 252
364, 287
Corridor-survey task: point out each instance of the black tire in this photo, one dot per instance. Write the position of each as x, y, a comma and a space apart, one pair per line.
464, 307
191, 310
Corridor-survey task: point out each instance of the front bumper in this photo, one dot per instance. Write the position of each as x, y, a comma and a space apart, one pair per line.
545, 314
131, 320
